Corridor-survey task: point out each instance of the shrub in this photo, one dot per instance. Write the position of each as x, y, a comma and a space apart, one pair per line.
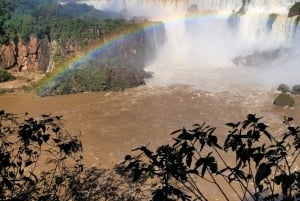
6, 76
43, 143
22, 145
265, 166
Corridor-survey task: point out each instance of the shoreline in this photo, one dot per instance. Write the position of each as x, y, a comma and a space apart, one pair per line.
24, 82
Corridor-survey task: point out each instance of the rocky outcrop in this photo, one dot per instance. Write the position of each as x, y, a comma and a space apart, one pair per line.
94, 79
286, 89
283, 88
294, 10
296, 89
260, 58
41, 54
34, 55
25, 56
284, 100
8, 55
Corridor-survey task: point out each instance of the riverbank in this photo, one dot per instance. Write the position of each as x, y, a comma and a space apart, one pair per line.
25, 81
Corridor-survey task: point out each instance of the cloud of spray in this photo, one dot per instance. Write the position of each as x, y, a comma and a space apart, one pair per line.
200, 50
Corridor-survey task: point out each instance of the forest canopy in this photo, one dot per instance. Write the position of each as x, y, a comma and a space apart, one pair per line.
19, 19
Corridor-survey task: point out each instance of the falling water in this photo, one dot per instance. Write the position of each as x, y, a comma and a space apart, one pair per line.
202, 56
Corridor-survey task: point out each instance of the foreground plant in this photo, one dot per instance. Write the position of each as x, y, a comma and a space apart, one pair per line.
22, 145
40, 160
265, 166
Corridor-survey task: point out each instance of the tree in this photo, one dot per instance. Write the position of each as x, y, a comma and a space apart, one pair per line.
22, 144
30, 145
264, 166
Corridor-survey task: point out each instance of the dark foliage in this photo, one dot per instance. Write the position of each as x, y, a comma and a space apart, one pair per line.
6, 76
264, 167
40, 160
22, 145
91, 79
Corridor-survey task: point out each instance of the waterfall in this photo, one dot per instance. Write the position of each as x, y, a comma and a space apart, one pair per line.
203, 44
254, 26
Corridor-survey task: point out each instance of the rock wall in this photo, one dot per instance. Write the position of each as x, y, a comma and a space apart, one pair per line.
8, 55
41, 54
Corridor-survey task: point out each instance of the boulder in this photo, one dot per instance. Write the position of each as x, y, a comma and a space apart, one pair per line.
261, 58
283, 88
284, 100
296, 89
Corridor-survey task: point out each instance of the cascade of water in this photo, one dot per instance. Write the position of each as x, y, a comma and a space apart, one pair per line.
209, 43
283, 30
253, 25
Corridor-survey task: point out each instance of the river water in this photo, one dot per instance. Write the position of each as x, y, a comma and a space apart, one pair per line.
194, 80
113, 123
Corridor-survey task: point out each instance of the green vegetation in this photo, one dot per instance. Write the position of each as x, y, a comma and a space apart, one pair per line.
23, 18
273, 16
6, 76
264, 166
271, 20
81, 80
91, 79
294, 10
298, 20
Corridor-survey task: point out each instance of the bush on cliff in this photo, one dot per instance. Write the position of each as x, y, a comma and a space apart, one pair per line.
6, 76
294, 10
91, 79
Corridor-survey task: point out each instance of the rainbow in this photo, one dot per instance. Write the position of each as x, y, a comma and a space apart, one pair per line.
110, 40
95, 51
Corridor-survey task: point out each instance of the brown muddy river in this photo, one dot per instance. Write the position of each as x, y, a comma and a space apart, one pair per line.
113, 123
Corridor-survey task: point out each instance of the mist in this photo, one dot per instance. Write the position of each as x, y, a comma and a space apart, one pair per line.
200, 50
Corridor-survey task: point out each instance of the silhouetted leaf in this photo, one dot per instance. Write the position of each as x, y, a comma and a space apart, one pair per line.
261, 126
56, 140
177, 131
46, 137
252, 118
268, 135
8, 183
28, 163
127, 157
264, 170
233, 125
246, 123
257, 158
189, 159
199, 163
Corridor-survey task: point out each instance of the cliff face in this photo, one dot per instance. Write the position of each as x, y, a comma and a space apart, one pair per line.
132, 50
41, 54
36, 54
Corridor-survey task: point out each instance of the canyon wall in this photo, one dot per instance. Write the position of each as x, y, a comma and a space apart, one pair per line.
41, 54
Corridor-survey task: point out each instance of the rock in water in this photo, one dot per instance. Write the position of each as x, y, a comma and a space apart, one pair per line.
296, 89
283, 88
284, 100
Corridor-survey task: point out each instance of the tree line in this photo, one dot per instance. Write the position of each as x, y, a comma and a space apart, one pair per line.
20, 19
